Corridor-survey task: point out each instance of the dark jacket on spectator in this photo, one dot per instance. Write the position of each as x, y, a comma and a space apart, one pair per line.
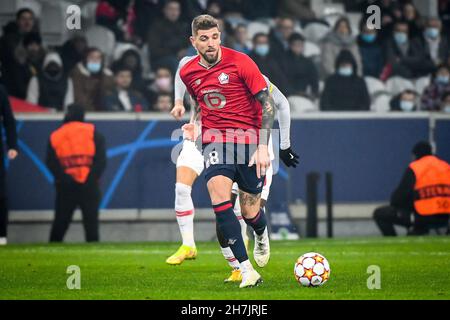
112, 102
278, 47
270, 67
372, 57
301, 73
167, 38
345, 93
89, 88
414, 63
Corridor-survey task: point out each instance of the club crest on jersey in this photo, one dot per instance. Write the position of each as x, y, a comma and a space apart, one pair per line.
198, 81
223, 78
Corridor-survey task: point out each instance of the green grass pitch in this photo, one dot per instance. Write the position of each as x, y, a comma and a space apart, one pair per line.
411, 268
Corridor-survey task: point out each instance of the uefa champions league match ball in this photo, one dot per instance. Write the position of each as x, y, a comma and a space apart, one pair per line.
312, 270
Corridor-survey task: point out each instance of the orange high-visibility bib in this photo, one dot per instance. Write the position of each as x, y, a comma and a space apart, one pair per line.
75, 148
432, 188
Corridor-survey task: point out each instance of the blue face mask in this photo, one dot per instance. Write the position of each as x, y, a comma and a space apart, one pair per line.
94, 67
345, 71
406, 105
432, 33
446, 109
262, 49
442, 79
369, 37
400, 38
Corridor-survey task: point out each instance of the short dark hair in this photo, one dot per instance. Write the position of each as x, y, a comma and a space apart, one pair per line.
296, 37
203, 22
32, 37
258, 35
75, 112
120, 68
22, 11
422, 149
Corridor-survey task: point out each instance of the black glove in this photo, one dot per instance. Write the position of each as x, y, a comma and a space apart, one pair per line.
289, 157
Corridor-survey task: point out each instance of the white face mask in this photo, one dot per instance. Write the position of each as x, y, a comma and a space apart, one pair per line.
406, 105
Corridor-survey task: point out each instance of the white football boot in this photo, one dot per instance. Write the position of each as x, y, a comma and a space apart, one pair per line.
261, 251
250, 278
3, 241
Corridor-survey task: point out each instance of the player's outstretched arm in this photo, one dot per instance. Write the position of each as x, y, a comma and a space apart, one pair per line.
178, 109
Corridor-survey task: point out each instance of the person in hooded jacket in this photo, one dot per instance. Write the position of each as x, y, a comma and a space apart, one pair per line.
91, 80
345, 90
51, 88
334, 42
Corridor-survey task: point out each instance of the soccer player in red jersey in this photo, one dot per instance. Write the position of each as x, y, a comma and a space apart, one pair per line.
237, 114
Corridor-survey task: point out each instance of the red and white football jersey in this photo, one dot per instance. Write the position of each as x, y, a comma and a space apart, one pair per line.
225, 93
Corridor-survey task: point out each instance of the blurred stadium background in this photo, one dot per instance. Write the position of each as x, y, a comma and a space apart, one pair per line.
366, 145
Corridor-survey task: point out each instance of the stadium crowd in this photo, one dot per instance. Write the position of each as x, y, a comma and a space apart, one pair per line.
330, 60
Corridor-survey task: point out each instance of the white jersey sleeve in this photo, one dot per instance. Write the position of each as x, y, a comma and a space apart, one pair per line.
284, 114
179, 86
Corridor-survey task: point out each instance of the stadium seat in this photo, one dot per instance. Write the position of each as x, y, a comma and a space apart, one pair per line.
103, 39
381, 103
255, 27
395, 85
53, 22
354, 18
88, 10
311, 49
315, 31
8, 7
374, 85
301, 104
421, 84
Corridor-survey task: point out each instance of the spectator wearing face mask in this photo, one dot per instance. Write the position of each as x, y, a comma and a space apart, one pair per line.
445, 103
431, 97
91, 80
51, 88
334, 42
163, 103
404, 101
163, 83
345, 90
371, 51
123, 97
435, 45
301, 73
406, 58
266, 62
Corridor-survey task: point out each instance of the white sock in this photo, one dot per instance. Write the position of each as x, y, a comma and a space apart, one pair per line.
184, 208
246, 266
3, 241
229, 256
237, 212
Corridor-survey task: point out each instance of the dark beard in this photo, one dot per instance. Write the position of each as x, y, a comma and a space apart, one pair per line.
211, 60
